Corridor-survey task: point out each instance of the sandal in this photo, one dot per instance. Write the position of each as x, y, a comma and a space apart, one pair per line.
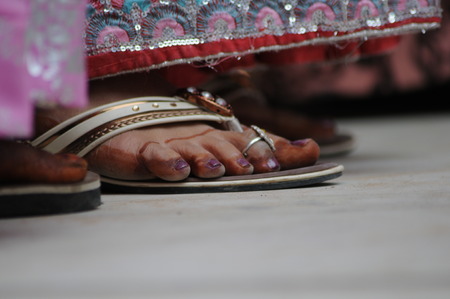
84, 132
37, 188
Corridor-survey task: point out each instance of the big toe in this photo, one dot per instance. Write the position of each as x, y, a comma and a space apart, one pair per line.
300, 153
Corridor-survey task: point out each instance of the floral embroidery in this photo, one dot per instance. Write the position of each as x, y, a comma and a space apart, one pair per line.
173, 32
162, 23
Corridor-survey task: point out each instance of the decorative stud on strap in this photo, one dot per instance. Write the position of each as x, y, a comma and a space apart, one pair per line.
206, 99
82, 133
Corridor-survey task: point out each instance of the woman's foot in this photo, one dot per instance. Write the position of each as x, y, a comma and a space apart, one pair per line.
35, 182
174, 152
23, 164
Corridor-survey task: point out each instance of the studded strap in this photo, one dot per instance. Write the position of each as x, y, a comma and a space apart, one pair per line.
82, 133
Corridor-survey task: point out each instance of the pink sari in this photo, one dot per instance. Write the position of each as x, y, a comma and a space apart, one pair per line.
41, 60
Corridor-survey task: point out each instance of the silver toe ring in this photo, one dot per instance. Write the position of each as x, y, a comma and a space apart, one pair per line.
262, 136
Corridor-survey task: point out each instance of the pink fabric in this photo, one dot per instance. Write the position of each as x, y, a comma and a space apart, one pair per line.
41, 60
15, 109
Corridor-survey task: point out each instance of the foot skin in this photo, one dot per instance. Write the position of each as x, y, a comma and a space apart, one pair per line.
21, 163
174, 152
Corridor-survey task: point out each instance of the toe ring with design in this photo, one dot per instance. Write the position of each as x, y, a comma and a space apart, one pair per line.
262, 136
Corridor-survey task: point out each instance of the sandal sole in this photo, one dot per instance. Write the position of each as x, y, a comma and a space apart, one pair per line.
45, 199
294, 178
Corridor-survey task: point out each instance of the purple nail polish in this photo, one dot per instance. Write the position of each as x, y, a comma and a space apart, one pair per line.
213, 163
244, 163
301, 142
273, 163
180, 165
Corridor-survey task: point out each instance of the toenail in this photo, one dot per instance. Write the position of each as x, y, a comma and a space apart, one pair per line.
180, 165
213, 163
272, 163
301, 142
244, 163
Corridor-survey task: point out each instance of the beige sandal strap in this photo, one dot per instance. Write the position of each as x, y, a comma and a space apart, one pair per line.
82, 133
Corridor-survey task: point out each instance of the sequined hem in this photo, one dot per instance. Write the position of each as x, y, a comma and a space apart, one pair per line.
157, 34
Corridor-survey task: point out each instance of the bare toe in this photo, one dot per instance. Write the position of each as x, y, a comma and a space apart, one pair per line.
260, 155
234, 161
300, 153
21, 163
163, 162
203, 163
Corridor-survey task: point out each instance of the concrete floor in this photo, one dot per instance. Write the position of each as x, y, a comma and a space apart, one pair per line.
382, 230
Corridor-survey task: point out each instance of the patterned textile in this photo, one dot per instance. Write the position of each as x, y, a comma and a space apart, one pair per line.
130, 35
41, 60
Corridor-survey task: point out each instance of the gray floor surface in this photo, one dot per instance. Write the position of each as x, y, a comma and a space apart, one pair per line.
382, 230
